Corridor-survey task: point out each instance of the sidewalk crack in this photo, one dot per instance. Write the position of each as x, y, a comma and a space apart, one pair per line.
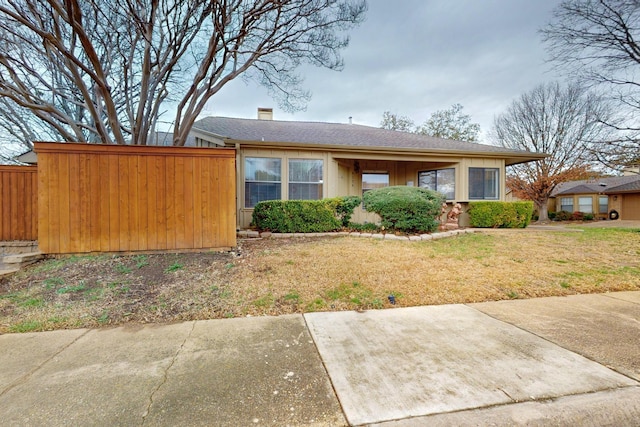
29, 374
507, 394
166, 374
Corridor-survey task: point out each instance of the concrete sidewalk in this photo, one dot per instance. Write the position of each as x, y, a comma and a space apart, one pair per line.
551, 361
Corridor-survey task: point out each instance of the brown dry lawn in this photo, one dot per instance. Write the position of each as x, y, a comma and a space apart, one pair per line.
276, 276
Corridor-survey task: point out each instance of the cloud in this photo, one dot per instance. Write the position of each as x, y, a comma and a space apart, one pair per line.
414, 57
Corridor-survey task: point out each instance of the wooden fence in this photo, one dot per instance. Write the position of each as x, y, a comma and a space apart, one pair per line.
18, 203
108, 198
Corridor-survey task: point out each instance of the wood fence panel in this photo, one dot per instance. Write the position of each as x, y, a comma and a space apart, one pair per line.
85, 203
197, 201
161, 201
107, 198
179, 208
18, 203
204, 196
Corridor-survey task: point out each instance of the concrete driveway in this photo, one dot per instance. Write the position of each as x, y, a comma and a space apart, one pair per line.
552, 361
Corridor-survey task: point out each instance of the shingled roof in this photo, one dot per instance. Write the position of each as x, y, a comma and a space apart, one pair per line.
327, 135
615, 184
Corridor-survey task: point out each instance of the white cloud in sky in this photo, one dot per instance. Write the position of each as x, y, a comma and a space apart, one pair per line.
413, 57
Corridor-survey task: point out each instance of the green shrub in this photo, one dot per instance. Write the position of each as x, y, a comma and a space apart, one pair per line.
552, 215
563, 216
296, 216
344, 208
407, 209
589, 217
367, 227
500, 214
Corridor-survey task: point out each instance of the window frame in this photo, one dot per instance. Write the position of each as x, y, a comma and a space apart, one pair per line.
364, 190
484, 183
580, 205
248, 182
319, 183
563, 199
436, 176
600, 205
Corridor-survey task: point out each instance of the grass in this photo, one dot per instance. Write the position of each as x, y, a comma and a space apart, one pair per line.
174, 267
277, 276
69, 289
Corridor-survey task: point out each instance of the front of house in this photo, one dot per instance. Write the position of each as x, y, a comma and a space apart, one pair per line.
309, 160
606, 198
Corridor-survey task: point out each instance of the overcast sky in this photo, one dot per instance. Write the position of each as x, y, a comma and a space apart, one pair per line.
413, 57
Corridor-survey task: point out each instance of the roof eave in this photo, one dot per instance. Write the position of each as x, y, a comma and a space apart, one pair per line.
209, 136
510, 157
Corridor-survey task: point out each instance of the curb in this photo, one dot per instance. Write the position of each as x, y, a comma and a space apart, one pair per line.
251, 234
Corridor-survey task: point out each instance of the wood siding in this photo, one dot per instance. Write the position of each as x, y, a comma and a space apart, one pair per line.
107, 198
18, 203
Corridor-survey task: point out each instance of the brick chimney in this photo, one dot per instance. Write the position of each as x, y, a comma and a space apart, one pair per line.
265, 113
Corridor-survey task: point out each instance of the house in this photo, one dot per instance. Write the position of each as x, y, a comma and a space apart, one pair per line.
28, 158
613, 198
309, 160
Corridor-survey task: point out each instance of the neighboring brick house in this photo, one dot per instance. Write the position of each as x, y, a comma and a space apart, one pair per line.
607, 198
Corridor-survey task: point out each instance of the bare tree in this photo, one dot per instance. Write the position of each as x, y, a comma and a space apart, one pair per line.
560, 122
597, 42
104, 70
392, 121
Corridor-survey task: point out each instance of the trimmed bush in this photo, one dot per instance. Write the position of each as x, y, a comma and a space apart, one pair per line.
344, 208
406, 209
563, 216
577, 216
500, 214
296, 216
364, 228
304, 216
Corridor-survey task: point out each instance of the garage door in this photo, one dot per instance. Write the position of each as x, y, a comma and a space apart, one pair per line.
630, 207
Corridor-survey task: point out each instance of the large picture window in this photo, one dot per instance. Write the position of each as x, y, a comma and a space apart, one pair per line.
484, 183
262, 180
305, 179
441, 180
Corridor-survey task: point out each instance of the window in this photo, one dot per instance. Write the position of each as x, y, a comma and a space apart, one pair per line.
441, 180
566, 204
305, 179
374, 180
484, 183
603, 204
585, 204
262, 180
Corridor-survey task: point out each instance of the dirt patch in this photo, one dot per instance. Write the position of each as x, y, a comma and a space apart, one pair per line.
277, 276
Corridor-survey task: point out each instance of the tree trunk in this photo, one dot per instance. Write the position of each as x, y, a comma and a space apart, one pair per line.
543, 212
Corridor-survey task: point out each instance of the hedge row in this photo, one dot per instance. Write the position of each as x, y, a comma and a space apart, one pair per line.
304, 216
500, 214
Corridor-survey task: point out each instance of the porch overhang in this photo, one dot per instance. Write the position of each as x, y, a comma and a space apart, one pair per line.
391, 153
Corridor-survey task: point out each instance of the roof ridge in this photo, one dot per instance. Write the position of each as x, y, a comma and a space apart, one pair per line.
289, 121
